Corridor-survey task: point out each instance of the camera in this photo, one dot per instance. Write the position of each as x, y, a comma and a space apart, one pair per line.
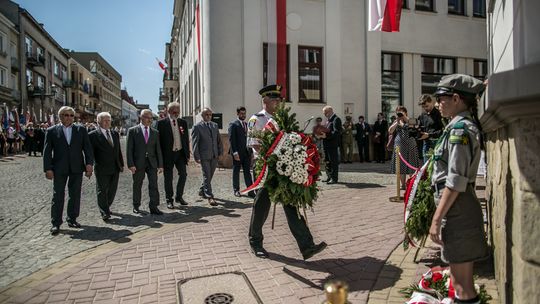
413, 128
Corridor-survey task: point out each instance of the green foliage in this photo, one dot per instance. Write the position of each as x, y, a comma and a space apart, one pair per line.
280, 188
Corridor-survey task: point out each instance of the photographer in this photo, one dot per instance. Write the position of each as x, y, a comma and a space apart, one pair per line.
407, 144
430, 124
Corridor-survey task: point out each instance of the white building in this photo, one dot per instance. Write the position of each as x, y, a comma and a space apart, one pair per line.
332, 58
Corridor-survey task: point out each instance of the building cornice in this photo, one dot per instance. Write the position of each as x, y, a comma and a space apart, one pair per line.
512, 95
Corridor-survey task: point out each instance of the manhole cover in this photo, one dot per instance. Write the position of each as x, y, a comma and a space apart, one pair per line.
225, 288
219, 298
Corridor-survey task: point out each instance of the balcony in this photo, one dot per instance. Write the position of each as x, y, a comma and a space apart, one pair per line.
162, 95
68, 83
34, 59
35, 91
15, 65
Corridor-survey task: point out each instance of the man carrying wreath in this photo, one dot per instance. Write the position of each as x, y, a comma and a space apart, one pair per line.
271, 98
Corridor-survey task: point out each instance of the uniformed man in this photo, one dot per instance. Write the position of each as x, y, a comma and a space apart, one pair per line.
271, 97
347, 140
457, 224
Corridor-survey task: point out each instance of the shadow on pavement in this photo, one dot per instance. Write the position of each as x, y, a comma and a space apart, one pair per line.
360, 185
93, 233
342, 269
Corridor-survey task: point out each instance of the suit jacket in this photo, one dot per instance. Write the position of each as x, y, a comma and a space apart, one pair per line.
108, 159
63, 158
138, 150
333, 137
206, 141
361, 130
381, 127
238, 139
166, 139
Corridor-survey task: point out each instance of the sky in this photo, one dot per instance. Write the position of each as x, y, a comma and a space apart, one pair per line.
129, 34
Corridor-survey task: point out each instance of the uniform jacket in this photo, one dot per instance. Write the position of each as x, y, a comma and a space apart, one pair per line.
138, 150
63, 158
108, 159
206, 141
238, 139
166, 139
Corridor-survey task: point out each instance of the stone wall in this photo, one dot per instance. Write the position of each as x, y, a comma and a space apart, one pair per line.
514, 195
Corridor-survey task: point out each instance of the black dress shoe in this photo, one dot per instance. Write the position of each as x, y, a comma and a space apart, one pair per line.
170, 205
331, 182
212, 202
252, 194
74, 224
55, 230
155, 211
313, 250
201, 193
136, 210
260, 252
327, 180
237, 193
181, 201
105, 217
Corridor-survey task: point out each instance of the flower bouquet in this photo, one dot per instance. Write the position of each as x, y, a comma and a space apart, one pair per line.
288, 166
435, 287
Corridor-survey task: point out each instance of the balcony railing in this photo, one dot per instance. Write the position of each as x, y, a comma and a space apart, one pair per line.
68, 83
34, 59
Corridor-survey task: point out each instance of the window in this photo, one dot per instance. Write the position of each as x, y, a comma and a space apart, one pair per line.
480, 69
41, 82
310, 74
28, 45
29, 77
39, 52
433, 69
425, 5
3, 42
3, 76
14, 50
456, 7
56, 68
265, 70
479, 8
391, 82
13, 82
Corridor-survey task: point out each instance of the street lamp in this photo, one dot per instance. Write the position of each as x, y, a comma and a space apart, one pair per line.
41, 94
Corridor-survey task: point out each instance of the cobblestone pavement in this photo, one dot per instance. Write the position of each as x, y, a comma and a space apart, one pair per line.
26, 246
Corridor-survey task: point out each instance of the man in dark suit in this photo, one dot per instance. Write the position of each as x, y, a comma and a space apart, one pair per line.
174, 140
240, 152
207, 148
144, 157
109, 162
380, 130
362, 139
331, 143
66, 155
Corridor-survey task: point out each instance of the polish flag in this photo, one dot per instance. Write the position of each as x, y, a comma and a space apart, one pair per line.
277, 43
161, 65
384, 15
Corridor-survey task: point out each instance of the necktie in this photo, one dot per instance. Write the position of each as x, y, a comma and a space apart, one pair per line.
109, 138
146, 134
245, 126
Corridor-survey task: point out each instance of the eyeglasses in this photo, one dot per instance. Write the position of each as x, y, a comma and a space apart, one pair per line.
68, 115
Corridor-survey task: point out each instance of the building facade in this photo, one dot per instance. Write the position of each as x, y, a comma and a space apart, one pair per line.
511, 121
10, 89
332, 58
84, 87
108, 81
43, 64
130, 113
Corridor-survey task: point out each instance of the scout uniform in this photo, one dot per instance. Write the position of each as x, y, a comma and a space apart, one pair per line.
261, 206
455, 163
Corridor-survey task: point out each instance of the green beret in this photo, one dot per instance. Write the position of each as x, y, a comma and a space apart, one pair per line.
460, 84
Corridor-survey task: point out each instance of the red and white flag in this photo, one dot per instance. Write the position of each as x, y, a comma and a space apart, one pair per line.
384, 15
161, 65
276, 11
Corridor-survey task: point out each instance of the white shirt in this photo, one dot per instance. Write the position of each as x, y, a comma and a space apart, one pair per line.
143, 127
177, 143
67, 133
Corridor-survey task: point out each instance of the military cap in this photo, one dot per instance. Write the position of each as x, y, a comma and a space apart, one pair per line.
272, 90
459, 84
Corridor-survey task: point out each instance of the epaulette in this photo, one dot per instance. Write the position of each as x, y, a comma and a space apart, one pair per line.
259, 114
